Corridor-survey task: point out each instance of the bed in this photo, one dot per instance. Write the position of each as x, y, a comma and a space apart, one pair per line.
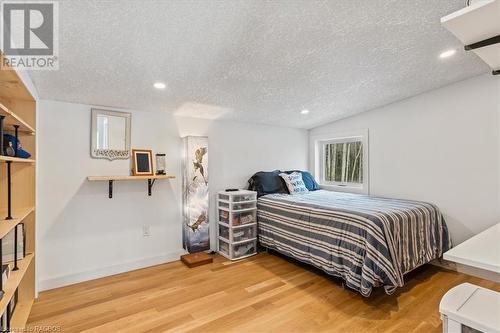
367, 241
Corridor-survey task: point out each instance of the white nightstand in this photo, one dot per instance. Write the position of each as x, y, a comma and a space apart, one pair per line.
469, 306
237, 219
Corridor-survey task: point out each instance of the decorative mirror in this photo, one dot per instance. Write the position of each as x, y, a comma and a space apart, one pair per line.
110, 134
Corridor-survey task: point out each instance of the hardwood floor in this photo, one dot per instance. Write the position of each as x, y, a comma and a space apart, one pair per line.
265, 293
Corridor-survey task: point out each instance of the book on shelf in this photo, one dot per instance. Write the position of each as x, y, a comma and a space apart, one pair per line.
5, 273
7, 314
13, 302
8, 244
3, 321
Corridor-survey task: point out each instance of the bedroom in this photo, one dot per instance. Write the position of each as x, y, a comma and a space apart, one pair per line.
138, 116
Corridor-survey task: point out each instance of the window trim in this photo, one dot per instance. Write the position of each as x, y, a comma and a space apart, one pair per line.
317, 143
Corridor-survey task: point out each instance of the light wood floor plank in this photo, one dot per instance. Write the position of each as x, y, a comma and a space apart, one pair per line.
264, 293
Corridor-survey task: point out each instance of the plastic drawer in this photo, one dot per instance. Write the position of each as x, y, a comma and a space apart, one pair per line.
245, 197
224, 216
225, 197
244, 205
244, 249
223, 232
241, 218
235, 197
224, 204
244, 233
223, 247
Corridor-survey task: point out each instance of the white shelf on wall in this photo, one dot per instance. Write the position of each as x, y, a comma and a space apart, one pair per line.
477, 23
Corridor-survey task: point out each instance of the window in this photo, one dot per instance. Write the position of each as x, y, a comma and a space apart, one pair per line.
341, 163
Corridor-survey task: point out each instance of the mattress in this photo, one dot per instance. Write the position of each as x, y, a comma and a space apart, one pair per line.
367, 241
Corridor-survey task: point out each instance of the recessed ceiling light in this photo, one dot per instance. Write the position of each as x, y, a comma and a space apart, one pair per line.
447, 54
159, 85
304, 111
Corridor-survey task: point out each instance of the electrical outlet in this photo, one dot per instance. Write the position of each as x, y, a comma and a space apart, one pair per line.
146, 231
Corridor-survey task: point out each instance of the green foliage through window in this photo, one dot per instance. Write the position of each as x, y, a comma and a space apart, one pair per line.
344, 162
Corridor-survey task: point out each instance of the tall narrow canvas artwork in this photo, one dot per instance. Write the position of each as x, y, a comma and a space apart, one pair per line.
196, 236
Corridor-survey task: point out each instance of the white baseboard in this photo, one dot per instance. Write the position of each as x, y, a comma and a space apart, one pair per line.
477, 272
65, 280
444, 264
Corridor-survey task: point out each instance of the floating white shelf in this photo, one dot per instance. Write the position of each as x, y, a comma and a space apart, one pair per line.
477, 23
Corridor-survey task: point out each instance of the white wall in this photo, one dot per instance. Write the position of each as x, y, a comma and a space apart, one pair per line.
442, 147
83, 235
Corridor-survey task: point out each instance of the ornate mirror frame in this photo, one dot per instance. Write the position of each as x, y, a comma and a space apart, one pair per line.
110, 154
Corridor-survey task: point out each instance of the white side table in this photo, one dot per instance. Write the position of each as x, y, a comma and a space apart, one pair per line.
469, 306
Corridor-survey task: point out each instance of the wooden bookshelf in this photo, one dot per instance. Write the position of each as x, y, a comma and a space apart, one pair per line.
12, 119
16, 159
19, 108
18, 217
14, 281
21, 314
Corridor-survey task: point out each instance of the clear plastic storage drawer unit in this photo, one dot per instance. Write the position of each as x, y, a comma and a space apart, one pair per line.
237, 211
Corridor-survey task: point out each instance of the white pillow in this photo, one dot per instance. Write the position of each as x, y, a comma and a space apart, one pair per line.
294, 182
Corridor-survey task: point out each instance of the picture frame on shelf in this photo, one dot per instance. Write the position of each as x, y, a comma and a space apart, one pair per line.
142, 162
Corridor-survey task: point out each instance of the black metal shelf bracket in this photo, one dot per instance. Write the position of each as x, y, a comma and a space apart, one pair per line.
1, 272
1, 134
9, 316
151, 182
9, 191
16, 134
15, 249
483, 43
110, 189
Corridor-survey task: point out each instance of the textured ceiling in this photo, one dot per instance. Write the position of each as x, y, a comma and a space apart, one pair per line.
258, 61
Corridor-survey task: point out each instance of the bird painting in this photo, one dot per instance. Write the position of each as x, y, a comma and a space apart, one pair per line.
201, 219
198, 163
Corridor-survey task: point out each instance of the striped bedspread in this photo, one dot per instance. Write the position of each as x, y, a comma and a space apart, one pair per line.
367, 241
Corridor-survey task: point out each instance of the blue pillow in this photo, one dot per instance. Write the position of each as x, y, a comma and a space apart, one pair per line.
267, 182
308, 179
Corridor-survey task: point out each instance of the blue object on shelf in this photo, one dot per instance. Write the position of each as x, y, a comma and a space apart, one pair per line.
20, 152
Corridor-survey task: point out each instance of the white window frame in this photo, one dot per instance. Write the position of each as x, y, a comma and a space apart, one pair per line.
318, 142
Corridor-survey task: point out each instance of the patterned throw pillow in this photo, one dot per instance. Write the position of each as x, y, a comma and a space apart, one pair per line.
294, 182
